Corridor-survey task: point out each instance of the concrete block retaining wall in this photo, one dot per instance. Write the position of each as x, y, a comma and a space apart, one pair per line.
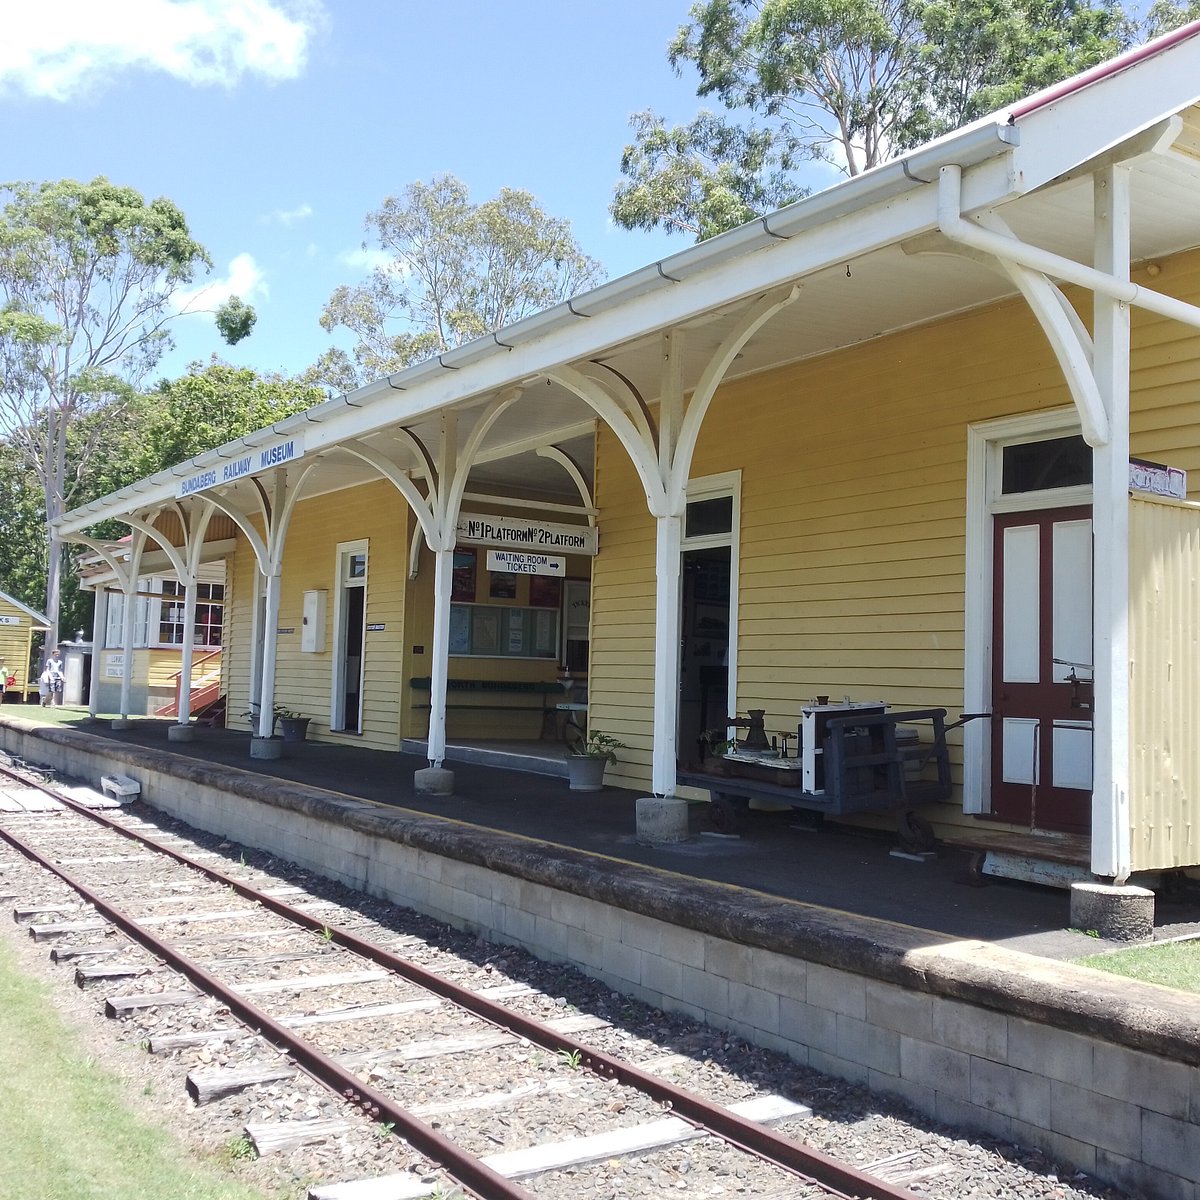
1099, 1073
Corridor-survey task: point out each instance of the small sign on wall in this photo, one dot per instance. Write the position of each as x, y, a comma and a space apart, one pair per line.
114, 666
10, 620
520, 562
1157, 479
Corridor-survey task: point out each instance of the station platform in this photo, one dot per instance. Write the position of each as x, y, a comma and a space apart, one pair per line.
520, 788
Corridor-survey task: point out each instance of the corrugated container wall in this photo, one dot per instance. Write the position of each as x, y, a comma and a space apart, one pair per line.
1164, 601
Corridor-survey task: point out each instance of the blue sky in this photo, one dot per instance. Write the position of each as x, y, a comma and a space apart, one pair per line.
276, 125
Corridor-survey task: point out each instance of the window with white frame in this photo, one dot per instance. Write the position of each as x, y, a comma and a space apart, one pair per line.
115, 634
210, 606
158, 620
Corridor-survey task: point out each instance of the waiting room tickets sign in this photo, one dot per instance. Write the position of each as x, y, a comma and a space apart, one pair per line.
519, 562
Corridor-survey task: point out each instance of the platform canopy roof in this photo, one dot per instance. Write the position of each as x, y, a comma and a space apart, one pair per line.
859, 252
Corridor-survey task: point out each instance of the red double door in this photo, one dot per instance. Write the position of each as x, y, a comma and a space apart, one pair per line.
1042, 669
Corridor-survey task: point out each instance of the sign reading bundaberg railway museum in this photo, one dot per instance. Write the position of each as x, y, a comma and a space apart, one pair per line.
261, 458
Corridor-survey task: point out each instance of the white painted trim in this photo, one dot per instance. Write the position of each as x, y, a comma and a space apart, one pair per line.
984, 440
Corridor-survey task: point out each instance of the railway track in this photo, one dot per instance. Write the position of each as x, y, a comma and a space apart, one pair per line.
267, 986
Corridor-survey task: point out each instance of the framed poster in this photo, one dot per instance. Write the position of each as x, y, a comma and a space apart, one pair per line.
503, 585
462, 577
515, 623
485, 631
460, 629
545, 633
544, 591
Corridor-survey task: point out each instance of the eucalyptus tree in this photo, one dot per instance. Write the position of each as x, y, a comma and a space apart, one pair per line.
87, 276
848, 83
452, 271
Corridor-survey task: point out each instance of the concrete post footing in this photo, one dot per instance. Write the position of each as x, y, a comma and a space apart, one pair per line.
181, 733
434, 781
121, 723
661, 820
1118, 914
266, 747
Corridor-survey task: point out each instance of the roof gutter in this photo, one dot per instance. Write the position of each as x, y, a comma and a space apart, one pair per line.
974, 144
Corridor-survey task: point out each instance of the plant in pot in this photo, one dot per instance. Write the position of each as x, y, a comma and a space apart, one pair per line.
294, 726
587, 759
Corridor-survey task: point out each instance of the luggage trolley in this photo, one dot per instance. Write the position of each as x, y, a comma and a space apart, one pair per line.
851, 758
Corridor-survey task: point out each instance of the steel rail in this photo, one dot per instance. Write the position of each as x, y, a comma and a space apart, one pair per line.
466, 1168
739, 1131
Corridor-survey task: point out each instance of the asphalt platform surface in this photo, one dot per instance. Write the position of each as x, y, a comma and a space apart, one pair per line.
775, 853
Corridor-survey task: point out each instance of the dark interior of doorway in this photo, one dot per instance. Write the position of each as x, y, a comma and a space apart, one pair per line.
703, 649
352, 649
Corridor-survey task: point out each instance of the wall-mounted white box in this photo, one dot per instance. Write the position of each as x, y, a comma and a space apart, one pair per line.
312, 634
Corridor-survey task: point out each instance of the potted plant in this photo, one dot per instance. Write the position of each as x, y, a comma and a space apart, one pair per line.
587, 759
295, 727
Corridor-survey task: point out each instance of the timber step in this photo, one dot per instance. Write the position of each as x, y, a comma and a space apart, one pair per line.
1057, 859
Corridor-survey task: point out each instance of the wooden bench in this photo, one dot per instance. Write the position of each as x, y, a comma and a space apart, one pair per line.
485, 688
1056, 859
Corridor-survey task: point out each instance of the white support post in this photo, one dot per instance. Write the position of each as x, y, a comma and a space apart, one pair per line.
127, 631
439, 667
266, 697
99, 633
182, 731
669, 530
1111, 833
188, 652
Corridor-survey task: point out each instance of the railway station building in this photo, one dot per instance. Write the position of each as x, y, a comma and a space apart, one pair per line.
927, 440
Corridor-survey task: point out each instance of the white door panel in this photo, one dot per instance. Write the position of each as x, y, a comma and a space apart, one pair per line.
1022, 601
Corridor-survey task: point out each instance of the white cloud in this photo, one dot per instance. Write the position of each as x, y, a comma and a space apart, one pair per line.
244, 279
289, 216
63, 47
366, 258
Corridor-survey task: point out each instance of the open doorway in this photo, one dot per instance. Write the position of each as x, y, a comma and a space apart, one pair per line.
350, 626
708, 565
703, 649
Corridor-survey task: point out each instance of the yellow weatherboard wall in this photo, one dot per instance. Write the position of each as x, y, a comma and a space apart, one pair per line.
16, 646
853, 512
376, 513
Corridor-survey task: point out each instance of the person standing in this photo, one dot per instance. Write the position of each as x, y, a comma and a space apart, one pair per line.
53, 680
3, 678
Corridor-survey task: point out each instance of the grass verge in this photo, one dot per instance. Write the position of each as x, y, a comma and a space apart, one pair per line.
65, 1129
1174, 964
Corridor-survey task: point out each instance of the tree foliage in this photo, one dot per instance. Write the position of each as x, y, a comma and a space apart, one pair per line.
849, 83
235, 319
455, 271
87, 273
701, 178
212, 404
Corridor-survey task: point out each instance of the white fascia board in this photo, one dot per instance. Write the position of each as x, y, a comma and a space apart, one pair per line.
38, 619
882, 207
1098, 117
